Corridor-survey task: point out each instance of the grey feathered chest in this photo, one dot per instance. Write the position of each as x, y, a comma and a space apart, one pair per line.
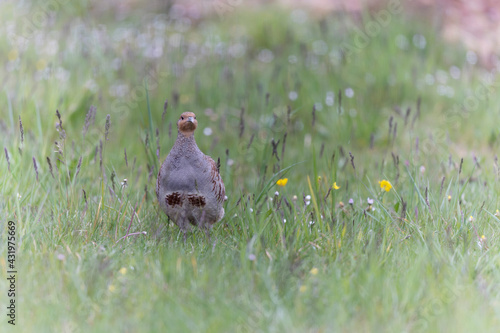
186, 173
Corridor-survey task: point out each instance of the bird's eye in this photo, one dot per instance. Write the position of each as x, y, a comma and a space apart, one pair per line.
182, 118
194, 117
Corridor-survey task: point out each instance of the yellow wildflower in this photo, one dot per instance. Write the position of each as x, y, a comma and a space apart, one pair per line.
282, 182
303, 289
13, 54
385, 185
335, 186
123, 270
41, 64
314, 271
111, 288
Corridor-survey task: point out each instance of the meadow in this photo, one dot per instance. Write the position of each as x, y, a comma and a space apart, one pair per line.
386, 135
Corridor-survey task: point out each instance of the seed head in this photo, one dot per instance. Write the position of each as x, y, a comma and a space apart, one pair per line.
21, 129
106, 128
7, 157
36, 168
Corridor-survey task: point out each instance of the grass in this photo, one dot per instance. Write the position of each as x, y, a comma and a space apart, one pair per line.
413, 260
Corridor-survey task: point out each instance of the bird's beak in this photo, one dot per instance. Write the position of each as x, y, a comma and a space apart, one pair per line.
190, 119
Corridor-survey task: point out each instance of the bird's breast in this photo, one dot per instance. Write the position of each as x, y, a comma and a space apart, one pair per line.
186, 175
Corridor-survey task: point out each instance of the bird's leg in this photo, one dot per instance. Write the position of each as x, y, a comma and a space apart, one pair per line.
213, 245
207, 232
206, 226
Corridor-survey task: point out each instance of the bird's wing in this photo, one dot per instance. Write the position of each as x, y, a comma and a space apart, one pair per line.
216, 180
163, 173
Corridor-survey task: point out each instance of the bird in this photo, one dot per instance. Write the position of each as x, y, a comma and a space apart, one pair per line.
189, 187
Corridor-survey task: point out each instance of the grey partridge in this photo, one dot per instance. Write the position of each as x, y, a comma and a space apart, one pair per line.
189, 186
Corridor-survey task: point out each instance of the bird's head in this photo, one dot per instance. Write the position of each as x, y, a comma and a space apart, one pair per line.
187, 123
